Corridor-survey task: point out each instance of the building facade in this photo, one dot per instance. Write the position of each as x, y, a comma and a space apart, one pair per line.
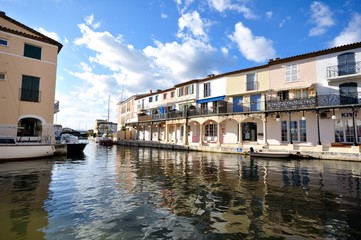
27, 81
309, 101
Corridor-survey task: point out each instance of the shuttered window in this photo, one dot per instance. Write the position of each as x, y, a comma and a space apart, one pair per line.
32, 51
30, 89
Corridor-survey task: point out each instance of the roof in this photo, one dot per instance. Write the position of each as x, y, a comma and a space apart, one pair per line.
315, 54
39, 36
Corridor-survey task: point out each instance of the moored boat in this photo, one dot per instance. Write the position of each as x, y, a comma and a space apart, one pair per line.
73, 143
12, 150
271, 154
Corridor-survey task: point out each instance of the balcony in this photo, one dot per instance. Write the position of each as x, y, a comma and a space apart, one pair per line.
291, 104
345, 71
327, 100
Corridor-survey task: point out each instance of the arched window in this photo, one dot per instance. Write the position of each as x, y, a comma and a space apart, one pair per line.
346, 63
29, 127
348, 93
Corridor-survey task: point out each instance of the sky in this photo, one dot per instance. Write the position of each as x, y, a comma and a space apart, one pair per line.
113, 49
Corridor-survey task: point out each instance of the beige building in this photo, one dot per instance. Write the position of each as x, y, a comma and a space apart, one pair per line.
27, 81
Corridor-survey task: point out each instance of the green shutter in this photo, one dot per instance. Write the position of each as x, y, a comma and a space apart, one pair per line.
30, 88
32, 51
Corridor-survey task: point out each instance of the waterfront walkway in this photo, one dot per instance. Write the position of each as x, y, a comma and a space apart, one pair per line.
338, 152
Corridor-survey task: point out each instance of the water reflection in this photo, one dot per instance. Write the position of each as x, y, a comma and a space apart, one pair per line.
141, 193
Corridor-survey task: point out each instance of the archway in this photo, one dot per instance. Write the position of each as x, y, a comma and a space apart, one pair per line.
29, 127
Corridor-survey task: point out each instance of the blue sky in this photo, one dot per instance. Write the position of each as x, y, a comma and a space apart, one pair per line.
119, 48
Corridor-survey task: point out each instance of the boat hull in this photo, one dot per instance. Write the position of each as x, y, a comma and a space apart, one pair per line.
75, 148
271, 154
25, 151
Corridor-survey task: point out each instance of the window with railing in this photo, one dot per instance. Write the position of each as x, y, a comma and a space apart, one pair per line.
346, 63
251, 83
255, 102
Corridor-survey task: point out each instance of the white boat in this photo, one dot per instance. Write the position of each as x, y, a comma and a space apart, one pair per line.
268, 154
73, 143
271, 154
11, 150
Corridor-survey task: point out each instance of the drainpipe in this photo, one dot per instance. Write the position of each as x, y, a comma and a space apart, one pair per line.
354, 127
318, 127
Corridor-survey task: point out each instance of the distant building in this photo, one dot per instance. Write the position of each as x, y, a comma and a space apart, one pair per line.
103, 127
27, 81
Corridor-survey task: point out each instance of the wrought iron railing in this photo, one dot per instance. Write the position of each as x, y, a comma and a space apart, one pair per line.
343, 69
328, 100
291, 103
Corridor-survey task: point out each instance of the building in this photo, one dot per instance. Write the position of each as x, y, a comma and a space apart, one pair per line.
305, 102
27, 81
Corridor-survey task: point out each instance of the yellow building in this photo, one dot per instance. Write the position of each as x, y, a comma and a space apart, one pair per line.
28, 62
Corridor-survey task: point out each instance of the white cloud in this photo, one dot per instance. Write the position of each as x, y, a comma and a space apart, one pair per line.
232, 5
284, 21
254, 48
193, 23
89, 20
269, 14
130, 71
52, 35
351, 34
164, 16
321, 16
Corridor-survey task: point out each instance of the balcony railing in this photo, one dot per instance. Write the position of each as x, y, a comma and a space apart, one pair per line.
329, 100
291, 103
343, 70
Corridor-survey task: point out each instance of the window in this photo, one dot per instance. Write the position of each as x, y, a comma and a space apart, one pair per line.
2, 76
164, 95
297, 129
283, 95
172, 94
207, 89
291, 73
3, 42
348, 93
211, 130
30, 89
156, 98
189, 89
150, 99
251, 83
32, 51
180, 92
238, 104
346, 64
301, 93
256, 102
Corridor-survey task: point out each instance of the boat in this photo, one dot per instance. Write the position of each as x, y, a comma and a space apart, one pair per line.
271, 154
74, 144
268, 154
13, 150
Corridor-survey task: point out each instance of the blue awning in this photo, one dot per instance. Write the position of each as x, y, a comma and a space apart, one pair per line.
220, 98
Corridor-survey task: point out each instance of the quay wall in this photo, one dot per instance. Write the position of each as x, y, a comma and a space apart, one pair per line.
351, 153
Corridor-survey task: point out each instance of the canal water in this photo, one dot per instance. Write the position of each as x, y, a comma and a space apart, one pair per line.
142, 193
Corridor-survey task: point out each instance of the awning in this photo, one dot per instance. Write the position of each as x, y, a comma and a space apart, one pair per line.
220, 98
292, 88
